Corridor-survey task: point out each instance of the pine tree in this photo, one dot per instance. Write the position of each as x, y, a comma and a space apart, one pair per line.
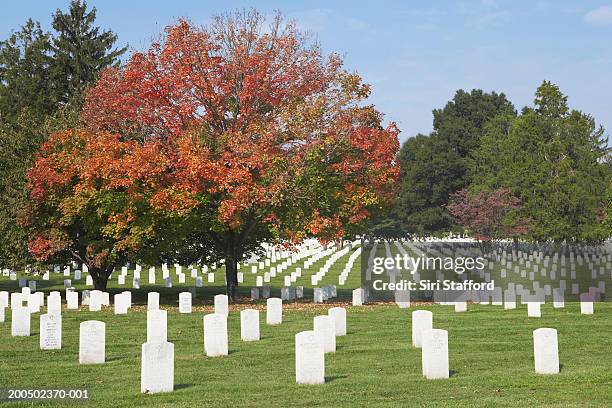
81, 50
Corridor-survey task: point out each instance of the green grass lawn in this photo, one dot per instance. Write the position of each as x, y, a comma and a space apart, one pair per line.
491, 360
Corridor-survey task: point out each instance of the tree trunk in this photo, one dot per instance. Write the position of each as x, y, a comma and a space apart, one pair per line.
231, 266
231, 277
100, 277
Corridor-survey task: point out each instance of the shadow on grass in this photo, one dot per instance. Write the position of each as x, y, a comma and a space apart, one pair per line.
182, 386
334, 377
452, 373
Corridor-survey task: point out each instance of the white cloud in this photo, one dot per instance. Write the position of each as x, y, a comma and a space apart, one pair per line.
599, 16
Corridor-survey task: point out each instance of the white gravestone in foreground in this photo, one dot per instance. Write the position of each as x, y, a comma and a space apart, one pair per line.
152, 301
358, 297
185, 302
533, 309
546, 351
434, 357
50, 331
157, 367
121, 305
586, 303
92, 342
422, 320
249, 325
4, 299
2, 312
72, 300
274, 311
460, 307
20, 321
34, 302
157, 325
54, 303
309, 358
95, 301
215, 335
324, 328
128, 297
221, 306
338, 314
16, 300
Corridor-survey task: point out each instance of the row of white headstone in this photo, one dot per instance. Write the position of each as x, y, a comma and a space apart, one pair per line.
157, 369
434, 347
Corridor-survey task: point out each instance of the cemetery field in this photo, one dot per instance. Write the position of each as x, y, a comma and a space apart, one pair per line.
490, 352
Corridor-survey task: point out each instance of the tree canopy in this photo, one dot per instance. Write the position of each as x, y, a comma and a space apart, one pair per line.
42, 75
261, 135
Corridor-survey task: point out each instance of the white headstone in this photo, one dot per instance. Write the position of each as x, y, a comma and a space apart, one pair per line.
157, 325
157, 367
20, 321
128, 297
92, 342
95, 301
221, 305
324, 327
215, 335
339, 316
121, 305
185, 302
358, 297
34, 302
309, 358
274, 311
249, 325
434, 357
51, 331
533, 309
54, 303
422, 320
460, 307
546, 351
72, 300
586, 303
153, 301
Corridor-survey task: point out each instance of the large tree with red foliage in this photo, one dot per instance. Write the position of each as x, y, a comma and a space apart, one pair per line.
260, 135
89, 200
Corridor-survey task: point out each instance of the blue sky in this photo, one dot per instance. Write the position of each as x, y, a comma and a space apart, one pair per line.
415, 54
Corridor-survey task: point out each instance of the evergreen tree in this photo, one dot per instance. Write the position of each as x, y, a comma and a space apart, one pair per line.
41, 80
25, 68
81, 50
552, 158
